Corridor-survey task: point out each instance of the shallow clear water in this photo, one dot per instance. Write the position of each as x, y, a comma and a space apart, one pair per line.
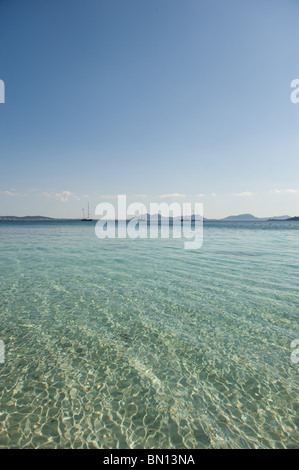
142, 344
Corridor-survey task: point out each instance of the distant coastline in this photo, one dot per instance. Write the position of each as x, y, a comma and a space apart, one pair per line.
231, 218
27, 217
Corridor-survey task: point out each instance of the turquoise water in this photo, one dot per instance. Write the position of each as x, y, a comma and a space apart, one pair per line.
142, 344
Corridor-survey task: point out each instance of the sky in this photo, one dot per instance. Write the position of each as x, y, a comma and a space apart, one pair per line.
161, 100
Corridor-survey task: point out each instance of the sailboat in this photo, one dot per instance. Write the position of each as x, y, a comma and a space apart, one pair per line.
86, 219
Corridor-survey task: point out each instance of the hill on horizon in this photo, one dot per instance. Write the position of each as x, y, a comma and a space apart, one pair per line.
230, 218
250, 217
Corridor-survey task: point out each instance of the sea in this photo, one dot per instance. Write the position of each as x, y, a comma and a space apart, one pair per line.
142, 344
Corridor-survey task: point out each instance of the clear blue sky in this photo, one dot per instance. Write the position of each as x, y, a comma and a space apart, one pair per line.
150, 97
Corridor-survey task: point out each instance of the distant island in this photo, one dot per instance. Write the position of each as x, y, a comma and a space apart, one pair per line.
284, 220
250, 217
26, 217
160, 218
